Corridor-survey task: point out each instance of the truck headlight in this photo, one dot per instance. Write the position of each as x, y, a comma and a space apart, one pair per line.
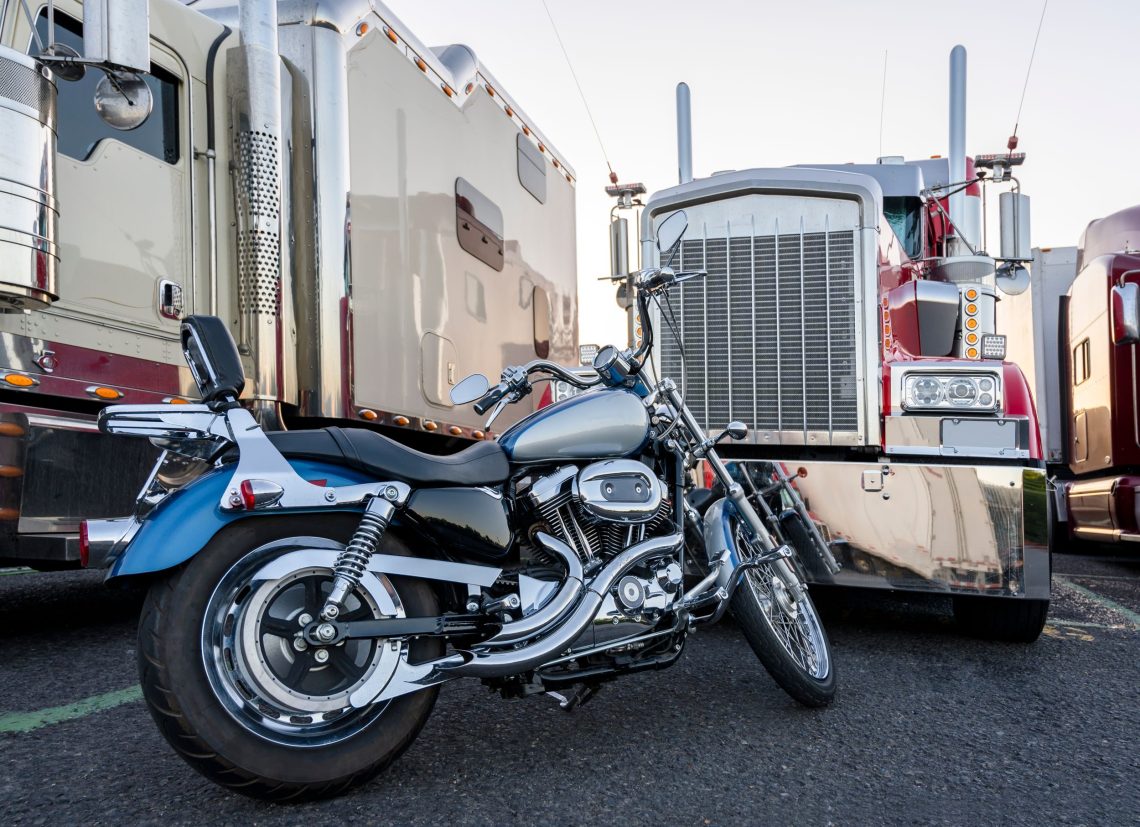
953, 391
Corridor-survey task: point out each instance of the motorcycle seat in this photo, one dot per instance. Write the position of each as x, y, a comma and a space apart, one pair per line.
484, 463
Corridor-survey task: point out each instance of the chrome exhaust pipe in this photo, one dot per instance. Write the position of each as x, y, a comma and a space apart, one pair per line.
684, 135
545, 618
482, 663
957, 155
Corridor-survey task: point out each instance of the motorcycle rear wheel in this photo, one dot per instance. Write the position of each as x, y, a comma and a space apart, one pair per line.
783, 628
227, 713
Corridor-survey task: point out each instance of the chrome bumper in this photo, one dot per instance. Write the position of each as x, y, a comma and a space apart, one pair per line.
965, 529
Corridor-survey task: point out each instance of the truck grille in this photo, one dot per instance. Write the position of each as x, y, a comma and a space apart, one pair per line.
769, 336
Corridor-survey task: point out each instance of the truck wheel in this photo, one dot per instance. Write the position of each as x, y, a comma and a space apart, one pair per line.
995, 618
247, 703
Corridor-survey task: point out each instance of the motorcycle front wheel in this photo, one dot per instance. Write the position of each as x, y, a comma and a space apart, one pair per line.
240, 695
782, 626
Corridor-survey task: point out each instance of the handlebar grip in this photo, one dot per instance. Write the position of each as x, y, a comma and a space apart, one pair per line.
490, 398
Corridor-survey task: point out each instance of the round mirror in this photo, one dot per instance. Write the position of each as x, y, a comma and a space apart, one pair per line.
670, 230
123, 100
62, 69
469, 389
1012, 279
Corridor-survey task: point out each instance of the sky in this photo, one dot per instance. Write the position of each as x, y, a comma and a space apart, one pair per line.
775, 84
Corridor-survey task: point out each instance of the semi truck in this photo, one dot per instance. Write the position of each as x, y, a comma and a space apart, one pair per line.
373, 219
1079, 326
848, 316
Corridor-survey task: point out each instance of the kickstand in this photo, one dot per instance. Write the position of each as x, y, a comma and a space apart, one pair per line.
581, 694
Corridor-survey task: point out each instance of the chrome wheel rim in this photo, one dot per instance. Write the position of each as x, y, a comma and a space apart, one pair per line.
793, 621
259, 666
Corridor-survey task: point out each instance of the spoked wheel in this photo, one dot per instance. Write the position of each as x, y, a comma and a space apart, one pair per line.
782, 626
235, 687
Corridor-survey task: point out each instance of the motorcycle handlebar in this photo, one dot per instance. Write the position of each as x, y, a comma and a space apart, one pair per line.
490, 398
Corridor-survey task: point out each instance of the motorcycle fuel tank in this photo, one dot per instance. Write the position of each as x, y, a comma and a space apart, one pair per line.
595, 425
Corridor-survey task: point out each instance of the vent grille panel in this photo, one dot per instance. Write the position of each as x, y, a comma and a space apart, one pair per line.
769, 336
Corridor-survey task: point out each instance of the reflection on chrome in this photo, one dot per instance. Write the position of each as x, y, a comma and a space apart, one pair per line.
928, 527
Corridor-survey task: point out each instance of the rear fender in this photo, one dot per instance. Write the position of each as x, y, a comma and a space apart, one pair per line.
182, 524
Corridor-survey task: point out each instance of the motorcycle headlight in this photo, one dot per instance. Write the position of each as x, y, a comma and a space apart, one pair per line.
957, 391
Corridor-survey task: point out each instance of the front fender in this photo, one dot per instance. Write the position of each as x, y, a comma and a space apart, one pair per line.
719, 544
183, 523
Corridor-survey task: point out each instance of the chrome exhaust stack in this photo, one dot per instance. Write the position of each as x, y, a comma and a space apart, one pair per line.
684, 135
957, 156
264, 292
482, 662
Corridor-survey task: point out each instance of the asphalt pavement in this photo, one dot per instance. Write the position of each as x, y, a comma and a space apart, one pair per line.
929, 728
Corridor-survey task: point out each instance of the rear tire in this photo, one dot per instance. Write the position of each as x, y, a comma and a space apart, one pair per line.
208, 735
995, 618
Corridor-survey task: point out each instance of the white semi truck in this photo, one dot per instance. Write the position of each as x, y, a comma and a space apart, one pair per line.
373, 218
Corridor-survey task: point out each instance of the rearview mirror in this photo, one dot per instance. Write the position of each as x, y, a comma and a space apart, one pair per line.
1126, 314
670, 230
470, 389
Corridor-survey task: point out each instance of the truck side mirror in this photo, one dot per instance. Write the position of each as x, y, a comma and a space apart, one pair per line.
1126, 314
1014, 210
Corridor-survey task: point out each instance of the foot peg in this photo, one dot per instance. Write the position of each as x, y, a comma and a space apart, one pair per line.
579, 696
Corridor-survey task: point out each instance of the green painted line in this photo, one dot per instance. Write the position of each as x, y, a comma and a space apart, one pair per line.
27, 721
1129, 615
1088, 624
11, 572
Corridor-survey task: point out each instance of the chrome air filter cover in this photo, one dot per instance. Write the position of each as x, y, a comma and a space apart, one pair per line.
619, 490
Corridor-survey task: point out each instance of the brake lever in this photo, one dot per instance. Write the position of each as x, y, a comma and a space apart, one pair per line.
506, 400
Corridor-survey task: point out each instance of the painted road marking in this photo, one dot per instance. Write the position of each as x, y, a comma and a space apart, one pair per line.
27, 721
1112, 627
1060, 632
21, 570
1132, 617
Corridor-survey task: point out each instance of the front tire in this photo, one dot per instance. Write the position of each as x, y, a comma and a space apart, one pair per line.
231, 712
783, 628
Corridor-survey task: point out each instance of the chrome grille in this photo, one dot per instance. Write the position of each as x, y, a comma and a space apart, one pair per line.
769, 336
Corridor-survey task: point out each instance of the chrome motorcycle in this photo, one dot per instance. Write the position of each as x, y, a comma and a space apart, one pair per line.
311, 590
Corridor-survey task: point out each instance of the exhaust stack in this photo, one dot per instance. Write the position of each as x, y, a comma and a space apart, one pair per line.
684, 135
958, 146
264, 290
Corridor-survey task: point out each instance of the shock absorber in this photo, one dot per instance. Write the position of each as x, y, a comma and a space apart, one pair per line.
352, 563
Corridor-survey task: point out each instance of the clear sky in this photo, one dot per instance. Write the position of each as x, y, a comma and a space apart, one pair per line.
775, 84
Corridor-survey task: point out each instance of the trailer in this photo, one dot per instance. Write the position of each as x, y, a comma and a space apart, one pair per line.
848, 316
373, 218
1084, 306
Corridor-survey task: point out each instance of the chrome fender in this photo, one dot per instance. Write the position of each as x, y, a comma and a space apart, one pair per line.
723, 558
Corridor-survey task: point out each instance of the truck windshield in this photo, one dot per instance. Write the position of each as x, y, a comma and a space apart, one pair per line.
904, 214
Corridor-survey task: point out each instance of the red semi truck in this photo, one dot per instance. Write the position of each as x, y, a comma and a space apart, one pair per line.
1078, 326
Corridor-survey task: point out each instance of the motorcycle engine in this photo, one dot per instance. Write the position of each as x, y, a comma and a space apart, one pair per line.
603, 508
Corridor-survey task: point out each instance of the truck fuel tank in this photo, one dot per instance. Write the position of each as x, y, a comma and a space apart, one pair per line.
29, 215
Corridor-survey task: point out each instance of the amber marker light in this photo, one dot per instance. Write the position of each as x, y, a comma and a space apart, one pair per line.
971, 338
972, 353
971, 309
468, 88
510, 112
369, 416
18, 380
401, 421
447, 90
102, 392
10, 429
391, 35
455, 430
541, 147
176, 400
971, 324
526, 129
477, 434
971, 294
430, 426
420, 63
362, 30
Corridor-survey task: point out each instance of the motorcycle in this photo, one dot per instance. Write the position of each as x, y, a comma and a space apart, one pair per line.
311, 590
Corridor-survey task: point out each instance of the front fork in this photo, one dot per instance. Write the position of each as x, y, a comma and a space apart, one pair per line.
739, 499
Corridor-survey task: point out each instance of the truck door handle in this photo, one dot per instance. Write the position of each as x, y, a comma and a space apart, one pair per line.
169, 299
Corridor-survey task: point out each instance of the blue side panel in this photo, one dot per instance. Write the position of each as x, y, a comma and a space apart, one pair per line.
182, 524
